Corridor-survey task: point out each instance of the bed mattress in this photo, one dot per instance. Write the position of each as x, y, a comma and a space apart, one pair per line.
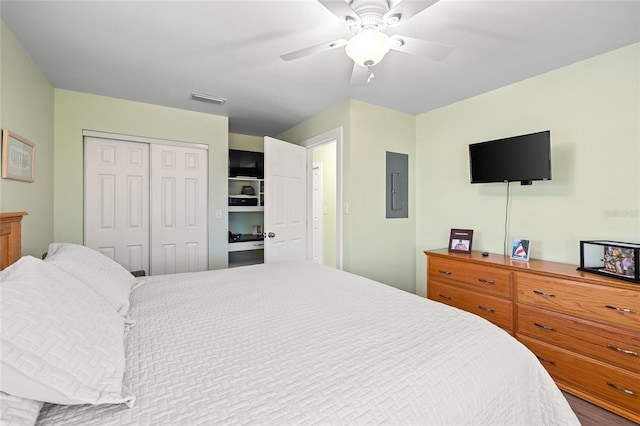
298, 343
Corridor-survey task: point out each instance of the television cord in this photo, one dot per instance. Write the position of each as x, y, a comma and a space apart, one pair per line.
506, 220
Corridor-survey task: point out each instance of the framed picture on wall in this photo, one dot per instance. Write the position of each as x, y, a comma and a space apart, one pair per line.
460, 240
18, 157
521, 249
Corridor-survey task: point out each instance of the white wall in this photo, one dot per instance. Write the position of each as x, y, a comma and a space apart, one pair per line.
593, 111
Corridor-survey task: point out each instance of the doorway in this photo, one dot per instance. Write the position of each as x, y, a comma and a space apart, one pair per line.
324, 152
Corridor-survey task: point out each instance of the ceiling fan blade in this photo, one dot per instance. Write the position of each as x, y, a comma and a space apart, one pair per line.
319, 48
406, 9
341, 9
414, 46
360, 75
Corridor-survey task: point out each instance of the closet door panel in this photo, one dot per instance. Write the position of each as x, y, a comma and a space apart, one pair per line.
178, 209
116, 200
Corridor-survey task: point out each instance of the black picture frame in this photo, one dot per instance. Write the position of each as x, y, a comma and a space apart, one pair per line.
460, 240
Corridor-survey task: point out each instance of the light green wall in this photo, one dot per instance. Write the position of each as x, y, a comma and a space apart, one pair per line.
326, 156
246, 142
26, 108
592, 109
375, 247
75, 112
383, 248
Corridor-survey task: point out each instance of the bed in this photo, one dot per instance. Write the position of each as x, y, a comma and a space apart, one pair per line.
272, 344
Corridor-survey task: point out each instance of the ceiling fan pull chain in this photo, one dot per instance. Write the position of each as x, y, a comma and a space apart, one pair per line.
371, 76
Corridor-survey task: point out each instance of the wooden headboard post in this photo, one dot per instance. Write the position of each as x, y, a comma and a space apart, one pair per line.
10, 237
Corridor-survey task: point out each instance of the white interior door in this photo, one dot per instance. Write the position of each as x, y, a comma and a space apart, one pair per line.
317, 214
285, 201
116, 200
178, 209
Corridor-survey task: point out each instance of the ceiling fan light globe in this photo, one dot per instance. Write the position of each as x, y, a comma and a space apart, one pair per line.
368, 47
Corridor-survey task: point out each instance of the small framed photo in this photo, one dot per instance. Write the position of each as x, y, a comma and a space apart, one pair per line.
460, 240
18, 156
521, 249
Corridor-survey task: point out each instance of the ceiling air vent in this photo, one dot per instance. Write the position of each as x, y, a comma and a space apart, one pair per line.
208, 98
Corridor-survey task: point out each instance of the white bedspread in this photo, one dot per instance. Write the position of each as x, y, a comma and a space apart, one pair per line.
282, 344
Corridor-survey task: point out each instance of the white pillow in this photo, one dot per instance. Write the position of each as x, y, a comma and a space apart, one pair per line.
104, 275
61, 342
18, 411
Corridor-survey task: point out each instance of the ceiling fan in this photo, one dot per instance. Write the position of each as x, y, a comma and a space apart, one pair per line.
368, 20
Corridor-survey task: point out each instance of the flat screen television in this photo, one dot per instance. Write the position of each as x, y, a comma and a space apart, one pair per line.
522, 158
246, 164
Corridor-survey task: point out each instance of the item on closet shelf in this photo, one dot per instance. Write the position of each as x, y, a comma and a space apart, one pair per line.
611, 258
248, 190
243, 200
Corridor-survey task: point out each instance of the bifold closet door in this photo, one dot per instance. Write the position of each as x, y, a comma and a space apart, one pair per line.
116, 200
178, 209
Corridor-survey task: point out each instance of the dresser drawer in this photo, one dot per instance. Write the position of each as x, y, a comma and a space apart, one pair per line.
599, 303
615, 385
478, 277
609, 344
498, 311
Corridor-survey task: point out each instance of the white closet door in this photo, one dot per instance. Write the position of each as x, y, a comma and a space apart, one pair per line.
178, 209
116, 200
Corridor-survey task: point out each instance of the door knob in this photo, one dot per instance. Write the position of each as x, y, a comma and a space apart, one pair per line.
271, 235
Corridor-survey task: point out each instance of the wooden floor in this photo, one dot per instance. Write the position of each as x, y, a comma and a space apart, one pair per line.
591, 415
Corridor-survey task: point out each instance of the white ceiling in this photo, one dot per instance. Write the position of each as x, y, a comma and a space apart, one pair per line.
159, 52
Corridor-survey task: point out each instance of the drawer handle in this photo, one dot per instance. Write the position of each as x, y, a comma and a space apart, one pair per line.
444, 272
618, 388
624, 351
544, 327
542, 293
482, 280
548, 361
485, 309
445, 297
625, 310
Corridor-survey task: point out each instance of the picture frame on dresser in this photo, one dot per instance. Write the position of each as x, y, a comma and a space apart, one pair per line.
460, 240
614, 259
520, 249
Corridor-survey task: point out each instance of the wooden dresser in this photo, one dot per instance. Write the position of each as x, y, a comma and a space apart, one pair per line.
10, 238
584, 328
